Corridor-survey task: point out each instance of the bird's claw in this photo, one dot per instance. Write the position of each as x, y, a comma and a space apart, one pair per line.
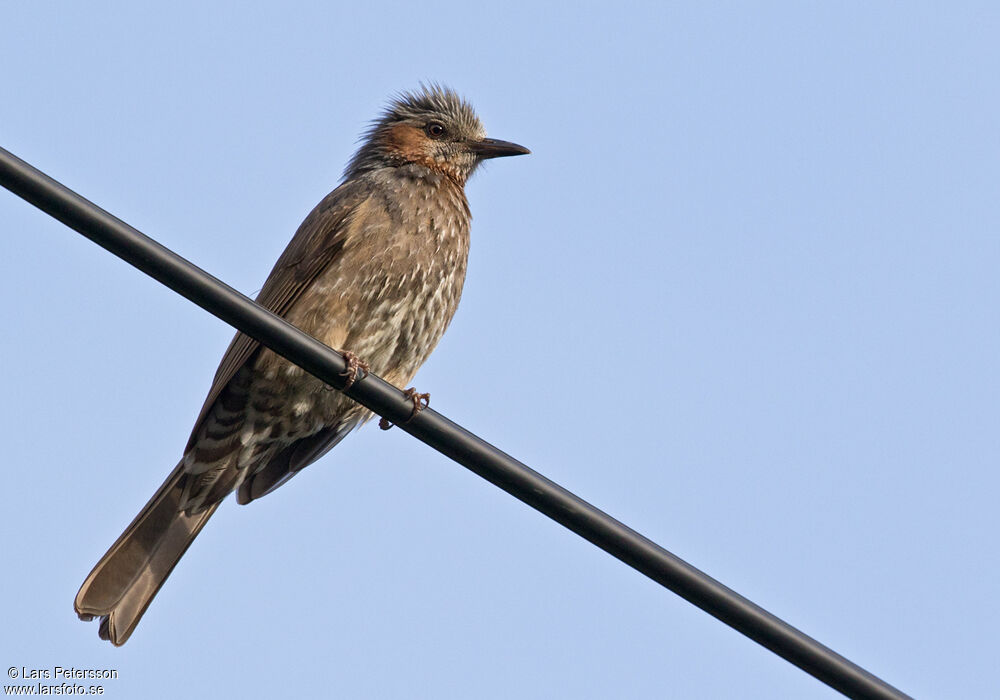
354, 365
419, 401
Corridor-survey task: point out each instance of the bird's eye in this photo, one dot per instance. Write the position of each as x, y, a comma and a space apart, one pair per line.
435, 130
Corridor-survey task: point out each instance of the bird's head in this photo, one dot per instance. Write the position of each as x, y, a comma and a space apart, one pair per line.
434, 129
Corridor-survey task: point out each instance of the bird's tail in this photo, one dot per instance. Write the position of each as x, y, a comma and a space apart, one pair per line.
126, 579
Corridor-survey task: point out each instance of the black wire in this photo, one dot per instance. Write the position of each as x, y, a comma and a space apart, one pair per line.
440, 433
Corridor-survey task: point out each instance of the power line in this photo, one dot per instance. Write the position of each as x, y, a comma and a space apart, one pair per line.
440, 433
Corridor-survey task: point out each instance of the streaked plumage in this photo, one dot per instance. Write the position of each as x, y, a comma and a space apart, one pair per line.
376, 269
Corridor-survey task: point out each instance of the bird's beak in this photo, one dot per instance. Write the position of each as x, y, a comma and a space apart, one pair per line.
495, 148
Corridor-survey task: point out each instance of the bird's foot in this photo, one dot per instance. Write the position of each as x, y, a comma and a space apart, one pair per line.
355, 365
419, 401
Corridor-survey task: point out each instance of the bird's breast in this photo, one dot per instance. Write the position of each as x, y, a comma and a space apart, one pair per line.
388, 298
394, 291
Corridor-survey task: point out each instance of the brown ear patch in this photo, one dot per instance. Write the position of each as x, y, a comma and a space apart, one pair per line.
407, 142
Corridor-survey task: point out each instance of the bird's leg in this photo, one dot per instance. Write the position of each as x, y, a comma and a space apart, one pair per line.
419, 401
354, 365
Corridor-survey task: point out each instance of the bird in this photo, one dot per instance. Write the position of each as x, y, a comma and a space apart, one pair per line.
375, 271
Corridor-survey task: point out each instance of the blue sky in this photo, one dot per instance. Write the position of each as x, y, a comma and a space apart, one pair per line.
743, 296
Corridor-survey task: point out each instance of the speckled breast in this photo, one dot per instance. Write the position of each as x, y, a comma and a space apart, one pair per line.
388, 299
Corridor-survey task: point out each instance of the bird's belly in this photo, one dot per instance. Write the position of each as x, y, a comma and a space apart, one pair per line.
394, 335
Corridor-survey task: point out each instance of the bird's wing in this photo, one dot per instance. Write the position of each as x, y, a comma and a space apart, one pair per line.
317, 244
